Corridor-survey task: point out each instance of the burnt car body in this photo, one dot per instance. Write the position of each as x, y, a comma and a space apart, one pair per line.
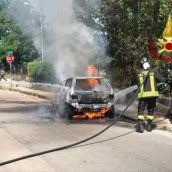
88, 97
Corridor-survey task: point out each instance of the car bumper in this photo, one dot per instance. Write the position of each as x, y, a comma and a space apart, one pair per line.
91, 107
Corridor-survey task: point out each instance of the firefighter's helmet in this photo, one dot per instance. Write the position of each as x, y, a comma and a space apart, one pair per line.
144, 60
145, 64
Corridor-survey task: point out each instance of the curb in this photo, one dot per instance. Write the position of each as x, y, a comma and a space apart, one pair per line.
41, 94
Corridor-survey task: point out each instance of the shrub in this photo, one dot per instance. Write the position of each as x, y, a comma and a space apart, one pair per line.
39, 71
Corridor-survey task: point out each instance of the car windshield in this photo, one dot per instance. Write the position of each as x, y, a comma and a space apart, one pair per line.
92, 84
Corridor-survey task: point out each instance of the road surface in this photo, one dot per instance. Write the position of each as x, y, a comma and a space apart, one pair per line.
27, 126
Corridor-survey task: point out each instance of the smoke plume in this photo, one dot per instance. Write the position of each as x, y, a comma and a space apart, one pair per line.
68, 42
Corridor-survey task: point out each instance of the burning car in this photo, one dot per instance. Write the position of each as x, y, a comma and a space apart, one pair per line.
88, 98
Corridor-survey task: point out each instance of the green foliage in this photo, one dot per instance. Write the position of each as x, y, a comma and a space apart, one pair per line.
40, 71
12, 36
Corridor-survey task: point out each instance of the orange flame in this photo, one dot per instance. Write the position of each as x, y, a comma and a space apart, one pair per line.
92, 115
91, 70
92, 82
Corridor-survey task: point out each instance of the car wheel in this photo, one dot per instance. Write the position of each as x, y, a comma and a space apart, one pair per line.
110, 114
68, 111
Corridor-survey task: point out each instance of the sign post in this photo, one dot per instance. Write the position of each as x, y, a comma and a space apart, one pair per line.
10, 59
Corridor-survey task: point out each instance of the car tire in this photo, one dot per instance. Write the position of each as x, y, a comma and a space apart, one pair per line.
111, 114
68, 111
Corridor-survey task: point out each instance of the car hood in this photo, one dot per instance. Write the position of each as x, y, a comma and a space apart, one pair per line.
91, 97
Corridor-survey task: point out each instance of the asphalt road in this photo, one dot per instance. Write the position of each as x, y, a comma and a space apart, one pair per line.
27, 126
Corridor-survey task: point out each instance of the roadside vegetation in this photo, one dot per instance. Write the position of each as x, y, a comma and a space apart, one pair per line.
39, 71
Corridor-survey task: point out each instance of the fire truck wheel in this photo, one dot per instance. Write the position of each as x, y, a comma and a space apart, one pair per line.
110, 114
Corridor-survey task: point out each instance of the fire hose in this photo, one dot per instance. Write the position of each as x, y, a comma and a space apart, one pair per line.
79, 142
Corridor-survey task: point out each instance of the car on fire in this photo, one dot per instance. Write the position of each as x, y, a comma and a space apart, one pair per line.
88, 98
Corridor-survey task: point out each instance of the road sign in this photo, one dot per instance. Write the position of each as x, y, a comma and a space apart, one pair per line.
9, 52
10, 58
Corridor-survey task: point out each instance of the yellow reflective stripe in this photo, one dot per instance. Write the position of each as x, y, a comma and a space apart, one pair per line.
148, 94
141, 83
149, 117
141, 117
145, 72
141, 78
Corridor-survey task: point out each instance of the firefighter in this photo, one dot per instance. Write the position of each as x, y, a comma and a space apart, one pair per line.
147, 95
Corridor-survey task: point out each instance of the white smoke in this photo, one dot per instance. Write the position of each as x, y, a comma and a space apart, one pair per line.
68, 43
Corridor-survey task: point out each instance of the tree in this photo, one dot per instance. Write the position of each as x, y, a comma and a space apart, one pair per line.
129, 25
126, 25
13, 38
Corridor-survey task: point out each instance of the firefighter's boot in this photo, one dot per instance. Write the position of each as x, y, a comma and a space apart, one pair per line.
150, 126
140, 126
